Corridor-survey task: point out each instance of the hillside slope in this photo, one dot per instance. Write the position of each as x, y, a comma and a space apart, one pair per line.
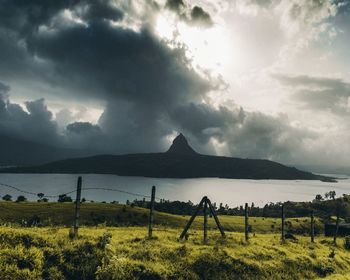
180, 161
15, 152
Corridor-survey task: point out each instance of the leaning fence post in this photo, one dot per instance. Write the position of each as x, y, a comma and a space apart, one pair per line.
246, 227
150, 223
205, 225
312, 230
211, 208
77, 207
283, 223
336, 228
192, 218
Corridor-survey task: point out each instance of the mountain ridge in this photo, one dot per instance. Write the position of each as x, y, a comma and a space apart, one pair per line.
180, 161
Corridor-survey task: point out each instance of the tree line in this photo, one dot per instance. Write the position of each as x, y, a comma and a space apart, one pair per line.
323, 206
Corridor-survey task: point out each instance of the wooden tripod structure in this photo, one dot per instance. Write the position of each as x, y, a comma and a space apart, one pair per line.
205, 203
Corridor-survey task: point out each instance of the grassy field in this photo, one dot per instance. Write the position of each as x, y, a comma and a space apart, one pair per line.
93, 214
112, 244
125, 253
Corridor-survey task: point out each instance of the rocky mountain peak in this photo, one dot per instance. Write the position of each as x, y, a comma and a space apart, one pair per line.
181, 146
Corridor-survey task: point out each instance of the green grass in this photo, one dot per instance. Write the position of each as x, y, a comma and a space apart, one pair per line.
92, 214
125, 253
112, 244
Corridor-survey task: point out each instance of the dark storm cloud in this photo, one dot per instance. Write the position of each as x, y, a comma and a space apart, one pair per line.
264, 136
4, 89
149, 89
204, 121
175, 5
319, 93
34, 124
245, 134
194, 16
84, 135
137, 74
100, 10
119, 63
83, 128
200, 17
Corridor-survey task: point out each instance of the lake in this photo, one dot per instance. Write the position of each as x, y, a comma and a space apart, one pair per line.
234, 192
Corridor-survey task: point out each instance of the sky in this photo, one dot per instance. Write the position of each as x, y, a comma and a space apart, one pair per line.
244, 78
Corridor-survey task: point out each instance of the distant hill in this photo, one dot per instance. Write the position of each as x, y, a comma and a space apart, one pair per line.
15, 152
180, 161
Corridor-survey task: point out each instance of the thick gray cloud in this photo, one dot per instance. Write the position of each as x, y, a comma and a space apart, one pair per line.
149, 89
319, 93
175, 5
195, 15
34, 124
200, 17
114, 64
84, 135
4, 89
263, 136
204, 121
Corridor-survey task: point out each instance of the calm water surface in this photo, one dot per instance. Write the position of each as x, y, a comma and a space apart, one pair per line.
234, 192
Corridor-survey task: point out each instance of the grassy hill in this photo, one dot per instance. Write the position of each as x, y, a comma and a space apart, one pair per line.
92, 214
125, 253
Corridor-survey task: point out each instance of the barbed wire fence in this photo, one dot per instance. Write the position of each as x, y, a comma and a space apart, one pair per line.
74, 191
78, 200
153, 198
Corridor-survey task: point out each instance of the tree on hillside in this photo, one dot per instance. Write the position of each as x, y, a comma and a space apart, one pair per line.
64, 198
7, 197
21, 198
330, 195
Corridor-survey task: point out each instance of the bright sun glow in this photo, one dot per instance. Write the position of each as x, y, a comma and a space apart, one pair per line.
209, 49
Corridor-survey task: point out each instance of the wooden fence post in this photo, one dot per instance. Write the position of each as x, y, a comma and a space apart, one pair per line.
150, 223
336, 228
192, 218
77, 207
312, 230
246, 226
212, 209
283, 223
205, 225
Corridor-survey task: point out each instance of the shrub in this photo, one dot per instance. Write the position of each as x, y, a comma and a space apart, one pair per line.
222, 266
21, 263
347, 242
104, 240
81, 261
64, 198
323, 269
7, 197
126, 269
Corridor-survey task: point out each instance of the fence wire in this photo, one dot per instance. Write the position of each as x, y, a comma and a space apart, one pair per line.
74, 191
